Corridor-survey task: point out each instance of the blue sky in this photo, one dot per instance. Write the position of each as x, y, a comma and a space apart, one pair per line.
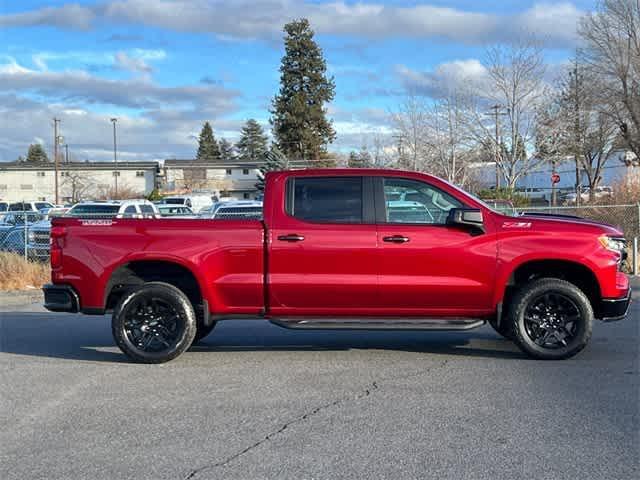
164, 66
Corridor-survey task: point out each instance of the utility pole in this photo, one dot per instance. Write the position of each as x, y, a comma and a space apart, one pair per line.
56, 121
399, 138
576, 112
496, 112
115, 156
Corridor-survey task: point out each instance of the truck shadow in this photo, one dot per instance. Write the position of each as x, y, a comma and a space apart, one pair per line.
88, 338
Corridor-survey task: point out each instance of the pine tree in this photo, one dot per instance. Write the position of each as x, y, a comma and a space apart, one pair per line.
361, 159
36, 154
208, 150
274, 160
252, 145
227, 152
299, 121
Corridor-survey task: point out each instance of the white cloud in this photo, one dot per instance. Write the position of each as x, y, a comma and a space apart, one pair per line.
553, 23
464, 75
131, 64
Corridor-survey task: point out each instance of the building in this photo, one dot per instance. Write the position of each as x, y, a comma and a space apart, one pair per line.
76, 180
225, 179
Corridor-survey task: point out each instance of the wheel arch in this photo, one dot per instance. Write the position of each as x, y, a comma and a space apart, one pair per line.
573, 271
135, 272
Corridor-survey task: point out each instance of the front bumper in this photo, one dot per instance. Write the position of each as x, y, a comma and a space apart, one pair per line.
60, 298
612, 309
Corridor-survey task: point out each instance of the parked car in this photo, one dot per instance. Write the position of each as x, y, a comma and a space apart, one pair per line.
30, 206
237, 210
114, 208
600, 193
174, 211
13, 226
328, 254
196, 201
4, 206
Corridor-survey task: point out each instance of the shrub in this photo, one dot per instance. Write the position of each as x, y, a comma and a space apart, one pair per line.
16, 273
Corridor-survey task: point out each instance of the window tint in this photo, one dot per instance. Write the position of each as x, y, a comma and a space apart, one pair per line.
410, 201
326, 199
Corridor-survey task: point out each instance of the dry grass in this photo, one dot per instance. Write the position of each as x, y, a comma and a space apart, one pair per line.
18, 274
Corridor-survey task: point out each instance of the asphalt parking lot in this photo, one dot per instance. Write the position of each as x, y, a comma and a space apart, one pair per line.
255, 401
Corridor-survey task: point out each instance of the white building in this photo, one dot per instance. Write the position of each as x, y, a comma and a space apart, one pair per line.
235, 180
76, 180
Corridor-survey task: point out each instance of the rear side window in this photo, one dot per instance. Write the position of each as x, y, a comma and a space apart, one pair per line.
326, 199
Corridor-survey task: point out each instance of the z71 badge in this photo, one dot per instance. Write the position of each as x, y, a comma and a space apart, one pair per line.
516, 225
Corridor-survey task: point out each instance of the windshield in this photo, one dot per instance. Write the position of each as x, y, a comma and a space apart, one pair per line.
174, 201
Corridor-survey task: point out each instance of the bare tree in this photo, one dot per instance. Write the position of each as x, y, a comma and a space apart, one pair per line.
449, 147
612, 38
410, 122
75, 185
575, 125
515, 83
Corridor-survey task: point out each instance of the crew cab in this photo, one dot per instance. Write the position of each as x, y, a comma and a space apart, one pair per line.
344, 248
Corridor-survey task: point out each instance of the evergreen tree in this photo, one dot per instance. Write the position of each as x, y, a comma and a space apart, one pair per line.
274, 160
299, 121
252, 145
208, 150
36, 154
227, 152
361, 159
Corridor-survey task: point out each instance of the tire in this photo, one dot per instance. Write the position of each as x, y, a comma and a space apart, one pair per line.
203, 330
154, 323
551, 319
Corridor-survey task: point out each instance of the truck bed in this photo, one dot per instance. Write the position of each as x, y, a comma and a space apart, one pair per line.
230, 253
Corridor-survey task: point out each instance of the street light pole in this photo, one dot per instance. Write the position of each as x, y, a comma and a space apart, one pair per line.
115, 155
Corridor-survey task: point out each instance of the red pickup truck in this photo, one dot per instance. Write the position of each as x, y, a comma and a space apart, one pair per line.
344, 248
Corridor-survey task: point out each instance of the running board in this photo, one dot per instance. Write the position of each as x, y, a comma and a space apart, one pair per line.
378, 323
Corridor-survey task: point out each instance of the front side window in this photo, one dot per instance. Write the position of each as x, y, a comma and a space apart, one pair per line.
411, 201
326, 199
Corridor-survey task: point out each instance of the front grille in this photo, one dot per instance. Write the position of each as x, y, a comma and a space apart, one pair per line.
41, 237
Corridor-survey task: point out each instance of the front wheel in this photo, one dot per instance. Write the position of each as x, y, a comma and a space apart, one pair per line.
551, 319
154, 323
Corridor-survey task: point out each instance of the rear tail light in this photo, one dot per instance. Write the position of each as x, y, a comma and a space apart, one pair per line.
57, 237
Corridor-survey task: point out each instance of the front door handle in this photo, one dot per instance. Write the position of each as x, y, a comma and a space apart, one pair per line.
396, 239
292, 237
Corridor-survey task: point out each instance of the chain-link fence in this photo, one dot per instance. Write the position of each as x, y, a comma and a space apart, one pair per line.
26, 233
624, 217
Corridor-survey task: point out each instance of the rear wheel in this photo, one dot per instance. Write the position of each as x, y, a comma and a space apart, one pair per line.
154, 323
551, 319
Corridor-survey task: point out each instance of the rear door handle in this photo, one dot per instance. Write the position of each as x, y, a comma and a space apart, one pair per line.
396, 239
292, 237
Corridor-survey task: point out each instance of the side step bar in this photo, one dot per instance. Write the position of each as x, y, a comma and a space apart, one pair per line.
378, 323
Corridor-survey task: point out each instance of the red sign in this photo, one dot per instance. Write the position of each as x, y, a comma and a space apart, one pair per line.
555, 178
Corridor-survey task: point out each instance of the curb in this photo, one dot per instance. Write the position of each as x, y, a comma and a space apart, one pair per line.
20, 297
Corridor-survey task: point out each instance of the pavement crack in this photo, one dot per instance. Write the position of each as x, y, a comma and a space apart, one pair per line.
369, 389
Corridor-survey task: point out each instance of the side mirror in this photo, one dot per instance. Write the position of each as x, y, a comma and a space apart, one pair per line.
467, 217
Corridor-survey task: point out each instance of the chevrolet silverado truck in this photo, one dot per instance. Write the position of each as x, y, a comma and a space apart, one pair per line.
344, 249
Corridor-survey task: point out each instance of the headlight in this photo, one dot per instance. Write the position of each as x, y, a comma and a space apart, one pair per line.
31, 237
615, 244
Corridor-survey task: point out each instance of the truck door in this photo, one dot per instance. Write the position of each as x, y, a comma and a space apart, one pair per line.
428, 268
322, 247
